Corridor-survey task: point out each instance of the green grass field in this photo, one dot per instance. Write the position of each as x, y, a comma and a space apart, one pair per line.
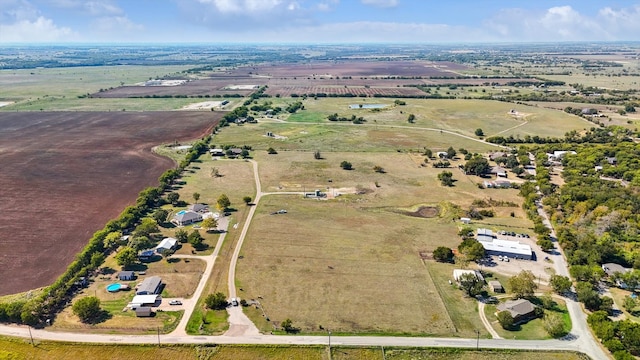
19, 349
20, 85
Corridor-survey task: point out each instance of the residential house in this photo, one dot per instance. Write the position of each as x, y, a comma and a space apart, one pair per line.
521, 310
498, 171
126, 275
496, 155
146, 255
149, 286
611, 268
199, 208
186, 217
167, 245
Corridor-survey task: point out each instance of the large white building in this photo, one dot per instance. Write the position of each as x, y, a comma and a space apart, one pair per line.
509, 248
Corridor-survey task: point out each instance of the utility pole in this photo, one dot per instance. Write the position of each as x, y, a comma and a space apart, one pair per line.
31, 336
478, 340
158, 336
329, 344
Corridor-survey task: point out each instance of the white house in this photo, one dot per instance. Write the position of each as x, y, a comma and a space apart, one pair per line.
186, 217
167, 244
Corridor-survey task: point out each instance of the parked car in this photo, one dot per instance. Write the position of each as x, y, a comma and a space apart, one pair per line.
175, 302
234, 301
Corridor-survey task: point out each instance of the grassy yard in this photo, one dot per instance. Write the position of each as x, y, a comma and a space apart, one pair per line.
532, 330
180, 276
45, 350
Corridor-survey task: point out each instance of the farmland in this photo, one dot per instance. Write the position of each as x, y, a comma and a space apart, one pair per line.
67, 173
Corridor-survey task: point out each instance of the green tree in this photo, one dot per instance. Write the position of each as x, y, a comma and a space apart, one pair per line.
443, 254
195, 239
271, 151
560, 284
428, 153
112, 239
182, 235
173, 197
126, 257
477, 165
523, 284
630, 108
147, 227
472, 249
411, 119
97, 259
87, 309
196, 196
217, 301
545, 244
470, 284
247, 200
629, 303
209, 224
317, 155
506, 320
223, 202
160, 216
138, 243
553, 325
346, 165
588, 296
446, 178
479, 132
287, 325
451, 152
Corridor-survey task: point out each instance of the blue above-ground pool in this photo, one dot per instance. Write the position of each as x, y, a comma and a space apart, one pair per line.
113, 287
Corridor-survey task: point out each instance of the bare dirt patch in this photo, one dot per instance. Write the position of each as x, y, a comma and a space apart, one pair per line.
423, 212
65, 174
205, 105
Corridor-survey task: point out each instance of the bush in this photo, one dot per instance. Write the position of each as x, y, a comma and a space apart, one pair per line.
345, 165
443, 254
506, 320
87, 309
217, 301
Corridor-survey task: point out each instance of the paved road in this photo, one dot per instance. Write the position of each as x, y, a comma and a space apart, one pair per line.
580, 328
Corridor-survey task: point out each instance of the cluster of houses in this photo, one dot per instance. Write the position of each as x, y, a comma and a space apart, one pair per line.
503, 247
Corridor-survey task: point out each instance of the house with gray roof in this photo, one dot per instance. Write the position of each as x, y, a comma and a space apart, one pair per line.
186, 217
199, 208
149, 286
521, 310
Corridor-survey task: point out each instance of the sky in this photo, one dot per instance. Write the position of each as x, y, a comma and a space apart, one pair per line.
317, 21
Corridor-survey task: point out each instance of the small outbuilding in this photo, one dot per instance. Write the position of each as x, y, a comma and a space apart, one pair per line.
465, 220
143, 311
199, 208
126, 275
167, 245
457, 273
495, 286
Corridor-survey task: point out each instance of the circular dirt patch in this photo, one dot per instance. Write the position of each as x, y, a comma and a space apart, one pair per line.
423, 212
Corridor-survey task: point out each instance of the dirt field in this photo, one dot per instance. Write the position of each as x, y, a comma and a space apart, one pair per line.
192, 88
65, 174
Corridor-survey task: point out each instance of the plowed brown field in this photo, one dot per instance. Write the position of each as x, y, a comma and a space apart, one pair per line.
65, 174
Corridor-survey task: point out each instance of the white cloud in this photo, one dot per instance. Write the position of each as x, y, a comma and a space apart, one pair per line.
38, 30
90, 7
381, 3
250, 6
560, 23
622, 20
117, 24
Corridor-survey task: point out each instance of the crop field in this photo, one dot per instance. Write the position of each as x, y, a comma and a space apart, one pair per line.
342, 90
355, 68
196, 88
65, 174
59, 103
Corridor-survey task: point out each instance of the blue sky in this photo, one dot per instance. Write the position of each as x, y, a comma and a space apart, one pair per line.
317, 21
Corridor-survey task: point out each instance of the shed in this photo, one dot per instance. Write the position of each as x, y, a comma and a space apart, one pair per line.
495, 286
126, 275
146, 255
216, 152
199, 208
457, 273
167, 244
143, 311
465, 220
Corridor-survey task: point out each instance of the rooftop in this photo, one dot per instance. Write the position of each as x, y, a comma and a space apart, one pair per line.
513, 247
